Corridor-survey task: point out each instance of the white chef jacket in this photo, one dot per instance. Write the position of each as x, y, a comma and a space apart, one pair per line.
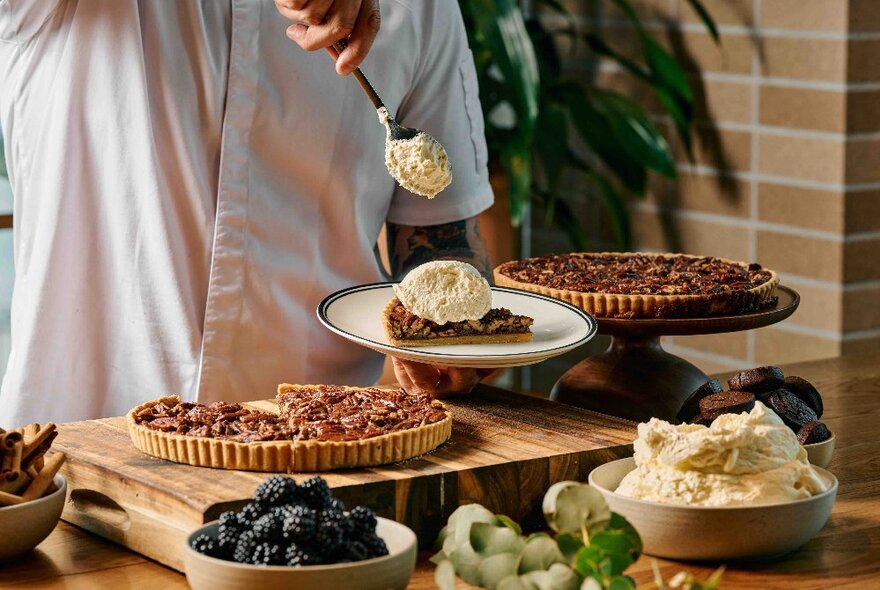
189, 184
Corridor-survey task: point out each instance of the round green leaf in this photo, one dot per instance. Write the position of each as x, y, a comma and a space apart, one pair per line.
489, 539
444, 575
572, 507
539, 554
497, 567
515, 583
467, 564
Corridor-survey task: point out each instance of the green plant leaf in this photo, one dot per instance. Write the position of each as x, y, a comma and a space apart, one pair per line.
517, 164
508, 522
573, 507
600, 46
595, 130
557, 577
707, 19
514, 582
459, 524
616, 207
491, 539
569, 545
587, 562
497, 567
551, 143
438, 558
444, 575
502, 26
621, 524
666, 69
467, 564
621, 583
539, 553
591, 584
637, 136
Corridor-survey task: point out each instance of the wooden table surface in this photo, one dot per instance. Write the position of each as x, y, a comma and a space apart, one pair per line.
845, 554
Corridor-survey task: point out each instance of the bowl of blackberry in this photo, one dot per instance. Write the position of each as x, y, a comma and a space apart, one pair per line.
299, 536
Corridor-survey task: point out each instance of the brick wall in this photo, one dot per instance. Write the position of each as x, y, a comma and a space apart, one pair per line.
786, 169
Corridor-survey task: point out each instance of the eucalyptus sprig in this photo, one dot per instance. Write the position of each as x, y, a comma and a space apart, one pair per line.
592, 548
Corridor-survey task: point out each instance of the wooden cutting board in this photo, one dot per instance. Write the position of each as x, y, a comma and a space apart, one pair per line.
506, 450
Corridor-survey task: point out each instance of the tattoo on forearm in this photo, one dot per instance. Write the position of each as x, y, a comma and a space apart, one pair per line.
410, 246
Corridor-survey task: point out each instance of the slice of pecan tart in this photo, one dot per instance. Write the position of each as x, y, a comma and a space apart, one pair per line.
316, 428
499, 325
643, 285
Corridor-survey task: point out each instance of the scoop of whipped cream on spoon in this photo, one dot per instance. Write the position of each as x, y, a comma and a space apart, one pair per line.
417, 161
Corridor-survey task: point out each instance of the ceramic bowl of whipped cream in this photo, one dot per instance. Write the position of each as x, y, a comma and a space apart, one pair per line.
740, 489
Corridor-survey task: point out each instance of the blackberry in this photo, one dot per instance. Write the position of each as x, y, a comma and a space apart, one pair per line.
357, 551
204, 544
244, 549
336, 505
231, 525
251, 512
276, 491
267, 553
330, 536
363, 521
298, 555
268, 527
299, 524
315, 492
375, 546
226, 544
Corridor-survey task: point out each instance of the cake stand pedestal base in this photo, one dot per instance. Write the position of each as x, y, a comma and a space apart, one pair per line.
635, 378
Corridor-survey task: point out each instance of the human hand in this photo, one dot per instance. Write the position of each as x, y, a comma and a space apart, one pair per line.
321, 23
437, 381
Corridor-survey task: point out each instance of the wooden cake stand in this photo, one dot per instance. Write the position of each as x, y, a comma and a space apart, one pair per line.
636, 379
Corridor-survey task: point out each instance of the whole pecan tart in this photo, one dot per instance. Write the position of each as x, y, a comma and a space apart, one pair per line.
643, 285
315, 428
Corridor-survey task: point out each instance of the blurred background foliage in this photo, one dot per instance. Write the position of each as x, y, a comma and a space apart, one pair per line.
519, 66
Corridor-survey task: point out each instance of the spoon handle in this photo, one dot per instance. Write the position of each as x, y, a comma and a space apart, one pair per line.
362, 80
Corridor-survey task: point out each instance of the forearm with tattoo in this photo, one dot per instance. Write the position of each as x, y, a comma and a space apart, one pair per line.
410, 246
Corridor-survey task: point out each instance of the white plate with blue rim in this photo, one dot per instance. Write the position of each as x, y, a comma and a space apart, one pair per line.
356, 314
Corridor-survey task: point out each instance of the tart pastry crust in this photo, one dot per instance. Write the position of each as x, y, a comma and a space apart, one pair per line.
286, 455
668, 306
442, 340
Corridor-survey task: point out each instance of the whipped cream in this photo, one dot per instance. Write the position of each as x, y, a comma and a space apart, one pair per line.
445, 291
420, 164
741, 459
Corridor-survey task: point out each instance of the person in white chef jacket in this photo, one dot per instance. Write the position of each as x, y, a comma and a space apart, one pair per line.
189, 183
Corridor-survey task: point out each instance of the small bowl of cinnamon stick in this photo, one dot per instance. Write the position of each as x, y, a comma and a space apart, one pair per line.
32, 493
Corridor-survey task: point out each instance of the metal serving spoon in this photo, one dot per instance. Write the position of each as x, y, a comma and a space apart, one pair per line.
397, 130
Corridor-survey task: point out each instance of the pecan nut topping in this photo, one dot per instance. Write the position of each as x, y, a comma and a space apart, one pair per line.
323, 413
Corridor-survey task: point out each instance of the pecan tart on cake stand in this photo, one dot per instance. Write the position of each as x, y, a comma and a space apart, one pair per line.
636, 298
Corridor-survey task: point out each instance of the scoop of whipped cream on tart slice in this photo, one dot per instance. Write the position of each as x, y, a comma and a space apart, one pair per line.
644, 285
449, 302
316, 428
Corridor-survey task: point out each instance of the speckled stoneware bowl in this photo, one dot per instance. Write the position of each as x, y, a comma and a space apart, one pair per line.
392, 571
820, 453
738, 533
24, 526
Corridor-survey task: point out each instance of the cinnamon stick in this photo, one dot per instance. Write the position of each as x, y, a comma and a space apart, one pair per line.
9, 439
44, 478
33, 454
30, 431
10, 464
38, 439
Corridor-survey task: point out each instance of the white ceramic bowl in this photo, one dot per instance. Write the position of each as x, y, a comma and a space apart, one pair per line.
24, 526
820, 453
392, 571
716, 534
